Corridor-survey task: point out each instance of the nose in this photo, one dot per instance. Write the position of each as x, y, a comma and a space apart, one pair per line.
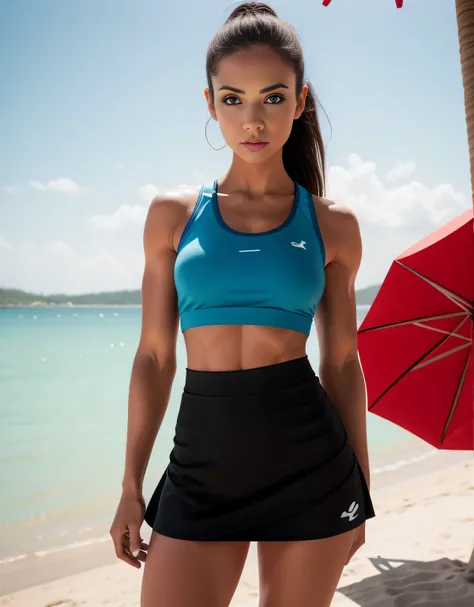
253, 121
253, 126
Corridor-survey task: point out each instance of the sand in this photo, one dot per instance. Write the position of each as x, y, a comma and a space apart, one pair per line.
415, 554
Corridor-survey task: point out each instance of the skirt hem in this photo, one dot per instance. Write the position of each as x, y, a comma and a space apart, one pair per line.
298, 525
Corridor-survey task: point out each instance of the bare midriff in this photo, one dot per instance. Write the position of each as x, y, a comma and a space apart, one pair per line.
234, 348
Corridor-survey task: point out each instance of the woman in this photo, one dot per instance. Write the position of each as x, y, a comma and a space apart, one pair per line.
262, 452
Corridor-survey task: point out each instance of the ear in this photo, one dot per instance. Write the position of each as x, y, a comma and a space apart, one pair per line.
301, 101
210, 104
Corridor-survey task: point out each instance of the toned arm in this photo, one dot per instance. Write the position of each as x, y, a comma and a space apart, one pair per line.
153, 371
154, 365
336, 325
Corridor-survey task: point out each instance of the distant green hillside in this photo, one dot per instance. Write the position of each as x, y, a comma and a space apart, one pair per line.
15, 297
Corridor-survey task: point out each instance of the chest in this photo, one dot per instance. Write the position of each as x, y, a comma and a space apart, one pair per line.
244, 217
286, 261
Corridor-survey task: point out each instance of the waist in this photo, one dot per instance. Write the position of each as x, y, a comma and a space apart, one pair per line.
254, 381
247, 315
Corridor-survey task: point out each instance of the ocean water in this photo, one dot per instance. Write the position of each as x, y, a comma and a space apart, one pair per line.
64, 376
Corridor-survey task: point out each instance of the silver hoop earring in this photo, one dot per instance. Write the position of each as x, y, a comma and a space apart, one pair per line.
205, 133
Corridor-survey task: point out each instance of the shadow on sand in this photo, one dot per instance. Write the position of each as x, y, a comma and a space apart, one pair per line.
406, 583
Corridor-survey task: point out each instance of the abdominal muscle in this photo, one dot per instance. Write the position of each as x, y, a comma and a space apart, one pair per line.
234, 348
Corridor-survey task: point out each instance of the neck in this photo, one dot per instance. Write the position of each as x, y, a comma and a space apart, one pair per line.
257, 179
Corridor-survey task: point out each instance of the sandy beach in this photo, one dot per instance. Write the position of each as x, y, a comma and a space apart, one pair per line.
415, 554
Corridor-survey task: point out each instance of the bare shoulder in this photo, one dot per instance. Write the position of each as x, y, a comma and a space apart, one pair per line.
339, 227
172, 204
167, 215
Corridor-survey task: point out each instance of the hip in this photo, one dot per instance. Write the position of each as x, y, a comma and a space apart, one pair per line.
277, 419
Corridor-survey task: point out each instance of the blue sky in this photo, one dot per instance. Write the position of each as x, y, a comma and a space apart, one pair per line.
107, 96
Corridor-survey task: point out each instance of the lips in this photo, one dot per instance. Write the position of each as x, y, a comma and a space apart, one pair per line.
254, 145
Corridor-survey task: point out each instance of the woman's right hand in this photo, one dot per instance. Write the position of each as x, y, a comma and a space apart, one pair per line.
125, 530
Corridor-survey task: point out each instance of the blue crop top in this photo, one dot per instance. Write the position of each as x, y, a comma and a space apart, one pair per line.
226, 277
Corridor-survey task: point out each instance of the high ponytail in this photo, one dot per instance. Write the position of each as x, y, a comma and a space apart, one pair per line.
257, 23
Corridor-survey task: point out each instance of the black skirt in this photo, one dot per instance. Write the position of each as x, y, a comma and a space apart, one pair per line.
259, 455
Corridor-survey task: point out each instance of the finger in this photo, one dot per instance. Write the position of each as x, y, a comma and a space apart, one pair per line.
142, 553
135, 539
132, 559
122, 551
126, 556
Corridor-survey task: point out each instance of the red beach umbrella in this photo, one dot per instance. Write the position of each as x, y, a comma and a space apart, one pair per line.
399, 3
434, 376
416, 342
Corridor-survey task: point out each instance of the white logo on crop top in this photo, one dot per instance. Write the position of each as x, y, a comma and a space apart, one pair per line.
352, 512
299, 245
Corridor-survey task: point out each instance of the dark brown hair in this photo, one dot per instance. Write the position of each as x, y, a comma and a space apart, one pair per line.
257, 23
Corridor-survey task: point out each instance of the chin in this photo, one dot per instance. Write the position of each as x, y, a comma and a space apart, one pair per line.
255, 157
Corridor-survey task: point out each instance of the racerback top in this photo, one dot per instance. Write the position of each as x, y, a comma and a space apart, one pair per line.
226, 277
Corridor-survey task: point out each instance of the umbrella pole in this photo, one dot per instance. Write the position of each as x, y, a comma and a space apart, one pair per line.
465, 21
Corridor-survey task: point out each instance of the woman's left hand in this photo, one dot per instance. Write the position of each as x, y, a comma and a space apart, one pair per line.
359, 540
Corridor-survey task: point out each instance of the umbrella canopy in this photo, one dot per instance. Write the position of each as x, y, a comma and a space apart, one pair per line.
415, 343
399, 3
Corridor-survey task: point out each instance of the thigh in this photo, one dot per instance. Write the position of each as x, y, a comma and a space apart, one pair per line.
302, 573
182, 573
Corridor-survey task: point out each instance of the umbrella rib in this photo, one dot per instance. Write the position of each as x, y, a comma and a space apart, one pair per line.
457, 299
423, 326
417, 362
436, 358
455, 401
414, 321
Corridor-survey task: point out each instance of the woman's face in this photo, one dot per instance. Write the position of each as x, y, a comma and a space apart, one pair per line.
245, 110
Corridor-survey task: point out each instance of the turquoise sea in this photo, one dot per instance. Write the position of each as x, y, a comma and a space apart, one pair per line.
64, 375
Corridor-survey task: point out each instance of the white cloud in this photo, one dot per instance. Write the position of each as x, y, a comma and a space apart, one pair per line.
4, 244
57, 268
400, 171
63, 184
148, 192
391, 218
125, 217
184, 188
412, 205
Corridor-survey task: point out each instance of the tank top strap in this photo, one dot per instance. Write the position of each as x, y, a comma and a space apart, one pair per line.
204, 197
208, 189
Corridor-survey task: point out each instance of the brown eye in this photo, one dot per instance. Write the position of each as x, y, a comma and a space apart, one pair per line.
280, 97
227, 98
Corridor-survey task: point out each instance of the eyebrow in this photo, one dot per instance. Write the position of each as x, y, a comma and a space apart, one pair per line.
267, 89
